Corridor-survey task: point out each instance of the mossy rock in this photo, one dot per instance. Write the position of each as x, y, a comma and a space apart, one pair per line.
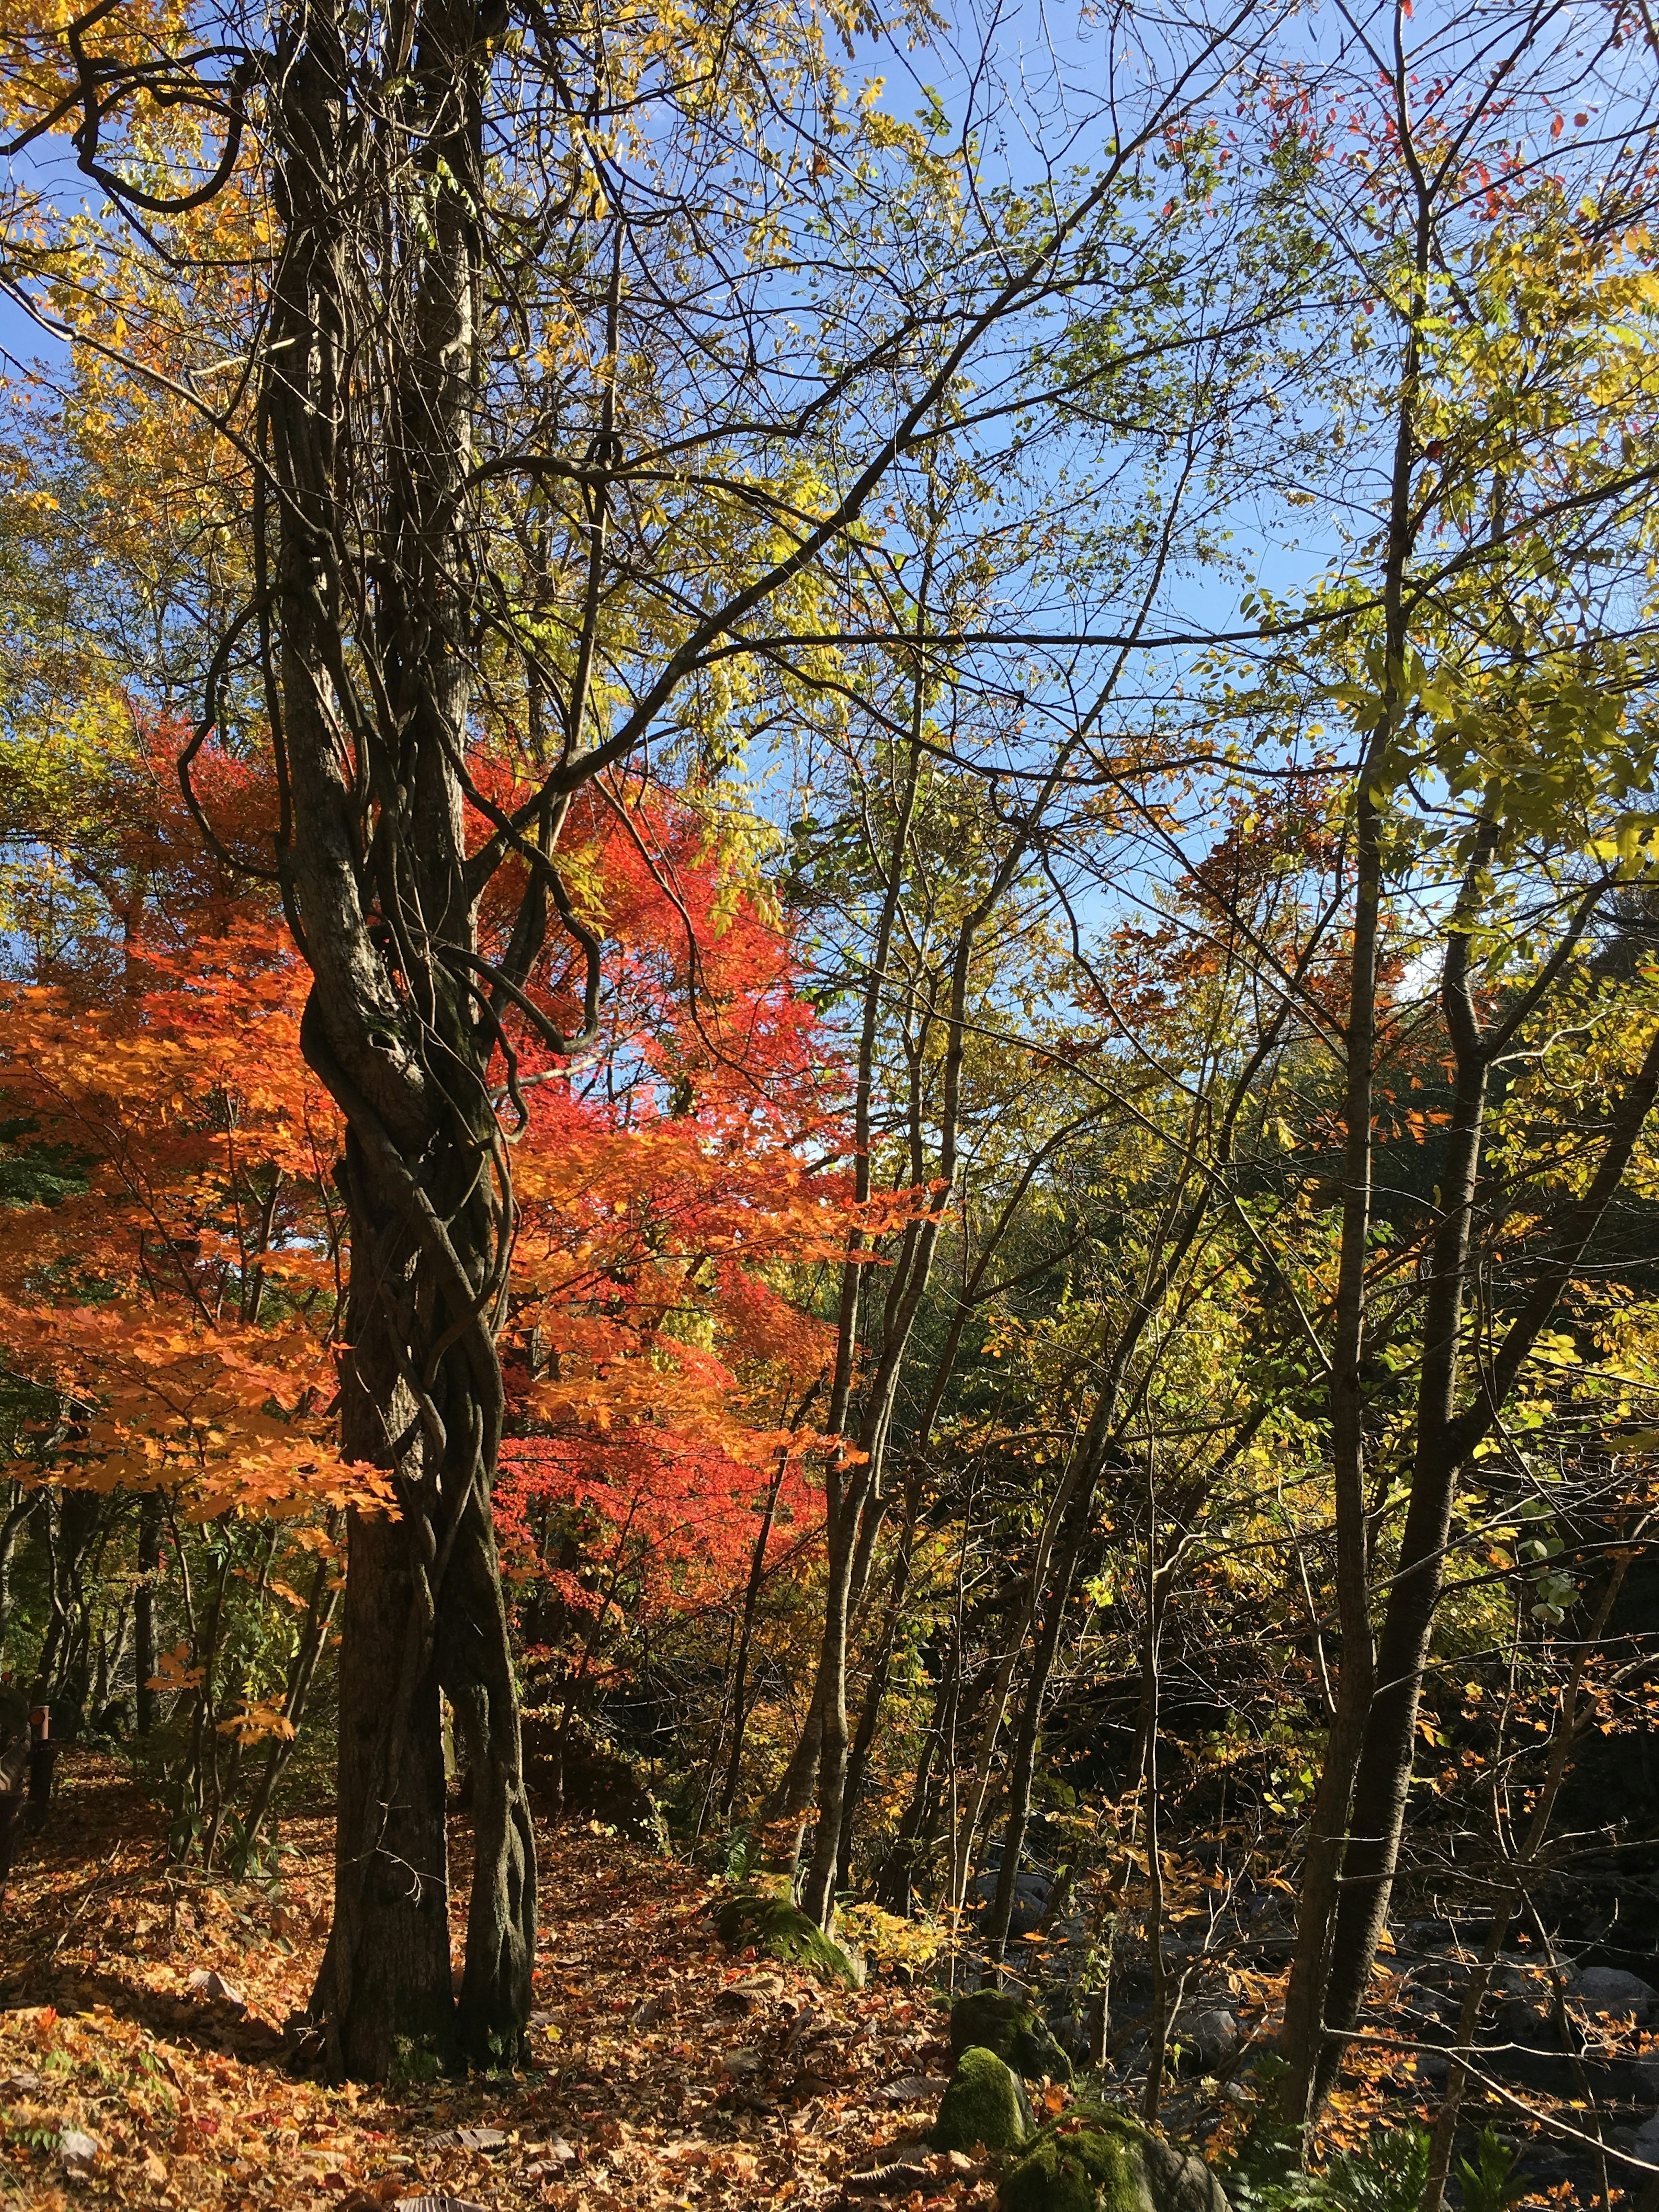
1094, 2159
771, 1926
995, 2021
986, 2103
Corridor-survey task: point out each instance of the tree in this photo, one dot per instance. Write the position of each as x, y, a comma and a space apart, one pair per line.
486, 273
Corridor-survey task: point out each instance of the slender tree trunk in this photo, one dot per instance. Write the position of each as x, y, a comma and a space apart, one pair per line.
881, 1666
1322, 1866
850, 1502
143, 1610
1383, 1779
12, 1525
1509, 1894
745, 1636
319, 1615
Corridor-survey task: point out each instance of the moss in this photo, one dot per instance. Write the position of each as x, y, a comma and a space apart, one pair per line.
985, 2104
771, 1926
1008, 2025
1091, 2160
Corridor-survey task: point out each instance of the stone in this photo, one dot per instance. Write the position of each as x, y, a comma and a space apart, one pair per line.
986, 2103
996, 2020
771, 1926
214, 1989
759, 1993
1095, 2158
76, 2153
1031, 1895
1212, 2035
1611, 1989
1527, 2027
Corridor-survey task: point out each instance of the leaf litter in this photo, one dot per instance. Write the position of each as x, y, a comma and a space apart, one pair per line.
143, 2012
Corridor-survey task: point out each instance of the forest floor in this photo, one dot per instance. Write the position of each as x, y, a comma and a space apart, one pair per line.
663, 2072
142, 2009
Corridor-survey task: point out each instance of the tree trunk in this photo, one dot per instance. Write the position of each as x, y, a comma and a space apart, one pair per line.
1444, 1444
386, 1976
369, 699
746, 1635
143, 1610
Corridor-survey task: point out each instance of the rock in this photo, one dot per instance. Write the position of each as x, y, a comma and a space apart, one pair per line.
76, 2154
1611, 1989
1646, 2069
1031, 1894
759, 1993
1646, 2142
1527, 2027
771, 1926
214, 1989
1094, 2159
1213, 2036
995, 2020
986, 2103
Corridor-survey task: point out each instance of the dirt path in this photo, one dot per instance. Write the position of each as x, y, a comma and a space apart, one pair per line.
664, 2072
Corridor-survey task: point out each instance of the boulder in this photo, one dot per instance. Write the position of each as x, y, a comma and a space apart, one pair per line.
771, 1926
1527, 2027
986, 2103
1212, 2036
1095, 2158
996, 2020
1611, 1989
1031, 1895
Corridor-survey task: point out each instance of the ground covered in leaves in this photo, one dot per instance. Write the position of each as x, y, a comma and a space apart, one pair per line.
664, 2072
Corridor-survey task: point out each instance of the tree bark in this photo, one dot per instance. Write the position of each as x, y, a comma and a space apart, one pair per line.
143, 1610
368, 703
1384, 1774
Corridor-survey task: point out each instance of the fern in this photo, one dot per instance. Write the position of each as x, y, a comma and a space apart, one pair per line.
1488, 2179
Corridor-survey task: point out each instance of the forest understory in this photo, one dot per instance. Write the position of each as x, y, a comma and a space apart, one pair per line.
150, 2053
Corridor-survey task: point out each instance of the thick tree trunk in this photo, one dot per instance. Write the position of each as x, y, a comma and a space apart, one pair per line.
384, 1988
368, 400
